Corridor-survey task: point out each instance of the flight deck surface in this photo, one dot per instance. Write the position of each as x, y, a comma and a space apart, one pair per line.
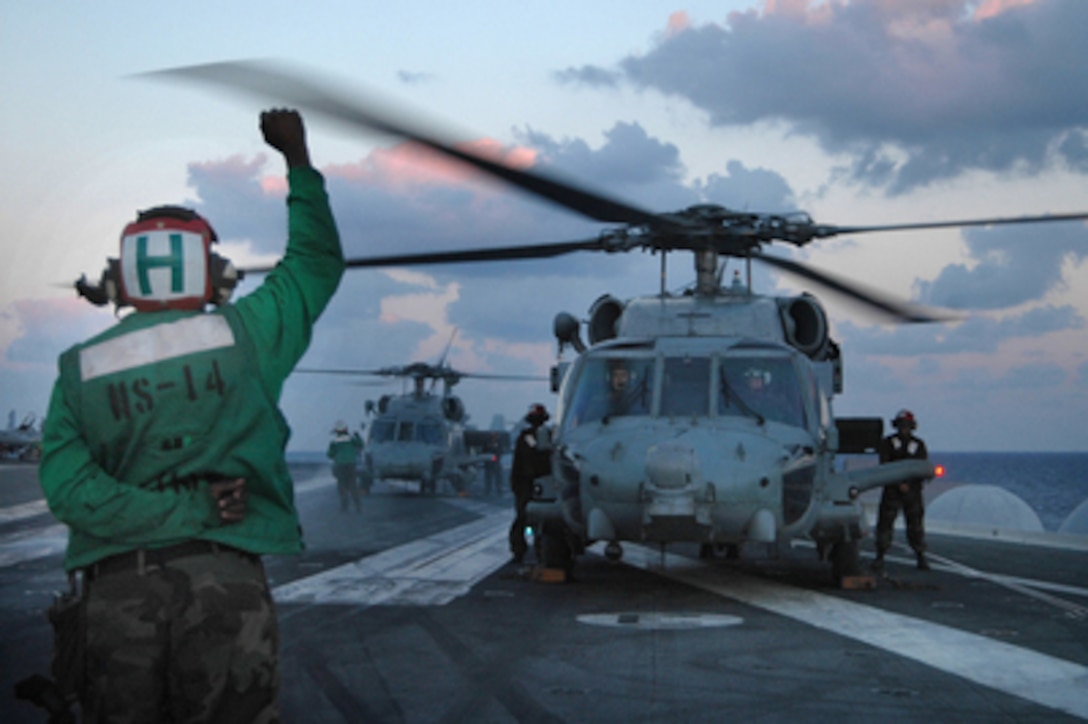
410, 611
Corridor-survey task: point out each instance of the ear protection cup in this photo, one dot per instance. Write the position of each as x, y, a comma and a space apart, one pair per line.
225, 278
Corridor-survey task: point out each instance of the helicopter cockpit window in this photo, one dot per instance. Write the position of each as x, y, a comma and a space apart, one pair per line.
430, 432
761, 385
382, 431
685, 387
610, 387
404, 431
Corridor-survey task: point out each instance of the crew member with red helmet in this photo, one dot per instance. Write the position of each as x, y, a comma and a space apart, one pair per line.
532, 459
163, 453
902, 445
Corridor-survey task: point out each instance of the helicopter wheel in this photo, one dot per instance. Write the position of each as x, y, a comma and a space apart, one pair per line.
844, 559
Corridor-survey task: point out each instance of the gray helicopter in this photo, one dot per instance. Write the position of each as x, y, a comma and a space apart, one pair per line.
423, 435
703, 417
22, 441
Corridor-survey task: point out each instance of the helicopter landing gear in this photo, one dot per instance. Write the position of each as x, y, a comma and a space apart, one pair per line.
613, 552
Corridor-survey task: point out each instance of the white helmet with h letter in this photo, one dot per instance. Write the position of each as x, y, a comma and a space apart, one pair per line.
166, 262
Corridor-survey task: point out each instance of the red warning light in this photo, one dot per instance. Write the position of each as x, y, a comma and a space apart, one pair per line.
938, 471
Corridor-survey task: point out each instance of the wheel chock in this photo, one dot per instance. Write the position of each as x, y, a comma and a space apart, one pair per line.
858, 583
548, 575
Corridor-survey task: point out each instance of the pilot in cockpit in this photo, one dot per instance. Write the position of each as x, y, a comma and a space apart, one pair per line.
619, 377
777, 402
616, 388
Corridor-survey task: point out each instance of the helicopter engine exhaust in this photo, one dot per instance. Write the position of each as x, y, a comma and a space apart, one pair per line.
805, 325
603, 316
453, 408
565, 328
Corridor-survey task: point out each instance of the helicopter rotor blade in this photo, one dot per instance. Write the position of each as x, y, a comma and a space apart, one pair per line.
274, 81
380, 372
899, 310
823, 231
421, 370
500, 253
516, 378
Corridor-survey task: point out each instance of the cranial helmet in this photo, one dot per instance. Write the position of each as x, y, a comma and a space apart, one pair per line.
537, 414
904, 417
166, 262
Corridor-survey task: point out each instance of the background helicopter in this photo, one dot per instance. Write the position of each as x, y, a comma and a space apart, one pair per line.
22, 441
423, 435
693, 457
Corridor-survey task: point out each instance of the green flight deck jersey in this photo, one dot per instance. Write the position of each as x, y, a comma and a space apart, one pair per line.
144, 416
344, 449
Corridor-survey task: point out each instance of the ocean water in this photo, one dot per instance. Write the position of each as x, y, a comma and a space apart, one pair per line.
1053, 484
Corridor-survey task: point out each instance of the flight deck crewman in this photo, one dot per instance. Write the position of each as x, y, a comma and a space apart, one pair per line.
164, 456
902, 445
344, 452
531, 461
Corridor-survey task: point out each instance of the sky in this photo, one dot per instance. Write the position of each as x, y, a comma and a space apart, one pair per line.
862, 112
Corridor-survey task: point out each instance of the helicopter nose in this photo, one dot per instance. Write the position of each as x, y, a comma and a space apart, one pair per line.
672, 465
673, 494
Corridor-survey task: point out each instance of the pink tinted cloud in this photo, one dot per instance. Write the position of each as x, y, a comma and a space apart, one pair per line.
235, 168
409, 164
678, 23
990, 8
274, 185
802, 9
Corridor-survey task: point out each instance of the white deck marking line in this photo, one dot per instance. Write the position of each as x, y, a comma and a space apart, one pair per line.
14, 513
1022, 587
29, 545
430, 571
1015, 670
1015, 583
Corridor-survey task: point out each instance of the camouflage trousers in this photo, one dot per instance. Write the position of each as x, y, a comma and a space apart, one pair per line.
194, 640
910, 501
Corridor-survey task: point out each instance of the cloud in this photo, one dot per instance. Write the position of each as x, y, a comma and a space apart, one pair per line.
743, 188
914, 92
1082, 374
977, 334
1034, 377
1012, 265
588, 75
240, 202
46, 327
628, 162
